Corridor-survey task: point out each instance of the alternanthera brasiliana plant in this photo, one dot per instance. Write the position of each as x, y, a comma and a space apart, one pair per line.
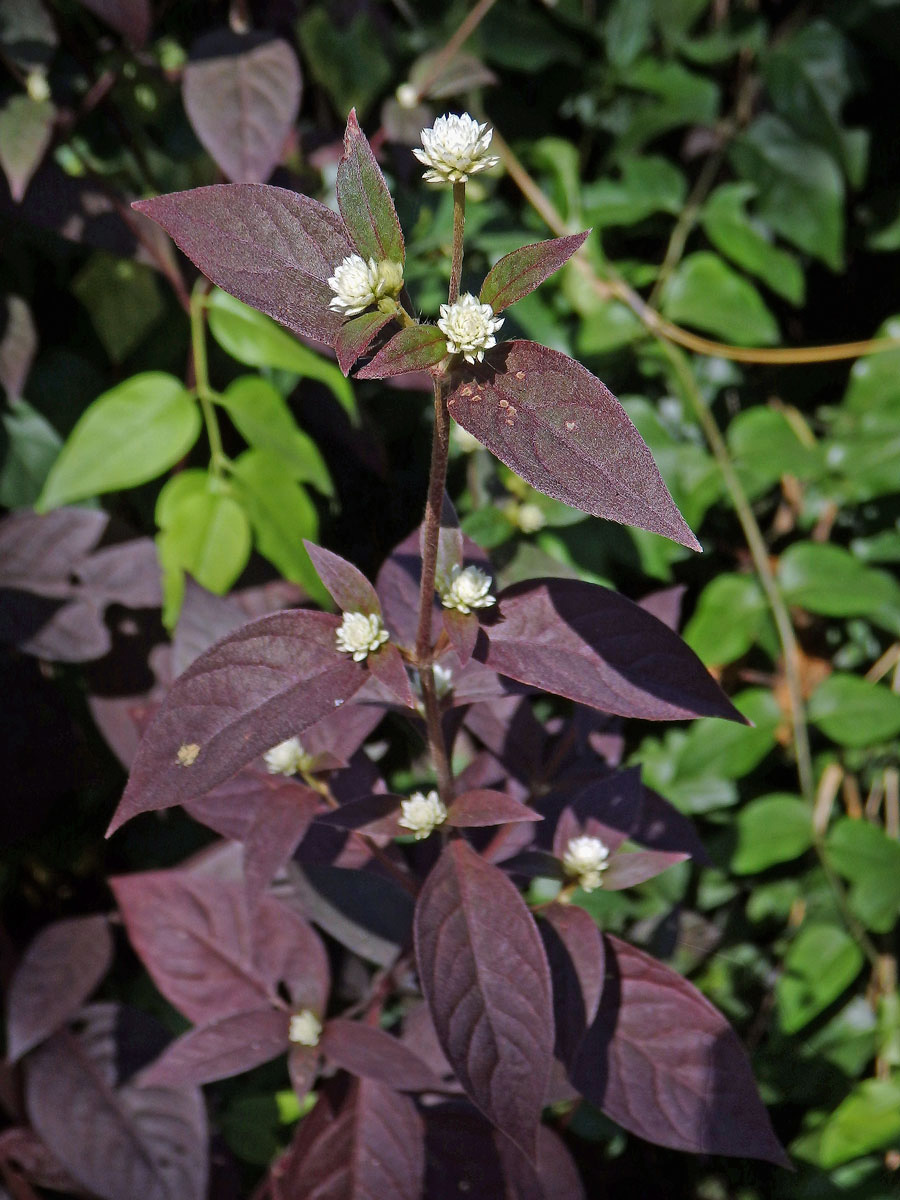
473, 889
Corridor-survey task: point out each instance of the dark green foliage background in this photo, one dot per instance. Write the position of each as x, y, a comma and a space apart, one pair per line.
738, 162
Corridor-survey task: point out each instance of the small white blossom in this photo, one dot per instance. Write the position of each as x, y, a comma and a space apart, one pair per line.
443, 681
455, 148
359, 634
422, 813
530, 518
286, 758
469, 327
407, 95
584, 859
358, 284
469, 588
305, 1028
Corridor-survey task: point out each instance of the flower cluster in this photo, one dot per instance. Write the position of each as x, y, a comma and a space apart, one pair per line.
455, 148
584, 859
469, 327
287, 758
359, 634
422, 813
358, 284
468, 588
305, 1028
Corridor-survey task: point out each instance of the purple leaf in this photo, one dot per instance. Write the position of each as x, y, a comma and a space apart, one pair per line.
665, 605
24, 1149
372, 1053
58, 972
368, 913
483, 806
206, 954
415, 348
347, 585
386, 664
485, 977
241, 94
117, 1141
364, 200
374, 1150
450, 544
256, 687
271, 248
131, 18
18, 346
554, 1176
462, 630
562, 430
577, 960
377, 816
356, 335
592, 645
518, 273
303, 1066
666, 1065
223, 1047
628, 870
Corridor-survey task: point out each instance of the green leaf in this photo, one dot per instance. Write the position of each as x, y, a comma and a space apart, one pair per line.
766, 446
864, 854
282, 515
263, 418
130, 434
26, 129
333, 54
257, 341
828, 580
875, 380
853, 712
676, 97
868, 1120
773, 829
364, 200
122, 300
729, 616
734, 234
628, 29
821, 962
33, 447
706, 293
801, 193
649, 184
717, 750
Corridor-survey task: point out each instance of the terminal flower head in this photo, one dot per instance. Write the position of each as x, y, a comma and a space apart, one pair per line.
469, 327
286, 758
358, 284
305, 1028
359, 634
422, 812
469, 588
584, 859
455, 148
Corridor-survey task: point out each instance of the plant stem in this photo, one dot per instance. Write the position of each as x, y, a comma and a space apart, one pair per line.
459, 221
219, 459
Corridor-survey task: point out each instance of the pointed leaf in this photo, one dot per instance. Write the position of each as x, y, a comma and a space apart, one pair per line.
131, 18
592, 645
356, 335
58, 972
577, 961
256, 687
271, 248
485, 977
115, 1140
486, 807
666, 1065
347, 585
518, 273
628, 870
241, 94
26, 130
415, 348
377, 816
372, 1053
223, 1047
562, 430
462, 630
386, 664
364, 199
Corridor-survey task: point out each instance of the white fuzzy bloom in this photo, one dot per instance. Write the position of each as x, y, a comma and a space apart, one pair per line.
469, 327
286, 758
359, 634
422, 813
455, 148
407, 95
469, 588
358, 284
305, 1028
530, 518
585, 858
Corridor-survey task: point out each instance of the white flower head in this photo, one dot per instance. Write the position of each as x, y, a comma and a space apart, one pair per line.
287, 758
305, 1028
469, 588
358, 284
584, 859
359, 634
455, 148
469, 327
530, 518
422, 812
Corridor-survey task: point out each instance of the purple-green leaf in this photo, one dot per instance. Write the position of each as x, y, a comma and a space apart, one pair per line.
346, 584
627, 870
256, 687
271, 248
356, 335
415, 348
518, 273
222, 1047
484, 806
364, 199
590, 644
555, 424
387, 665
485, 977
